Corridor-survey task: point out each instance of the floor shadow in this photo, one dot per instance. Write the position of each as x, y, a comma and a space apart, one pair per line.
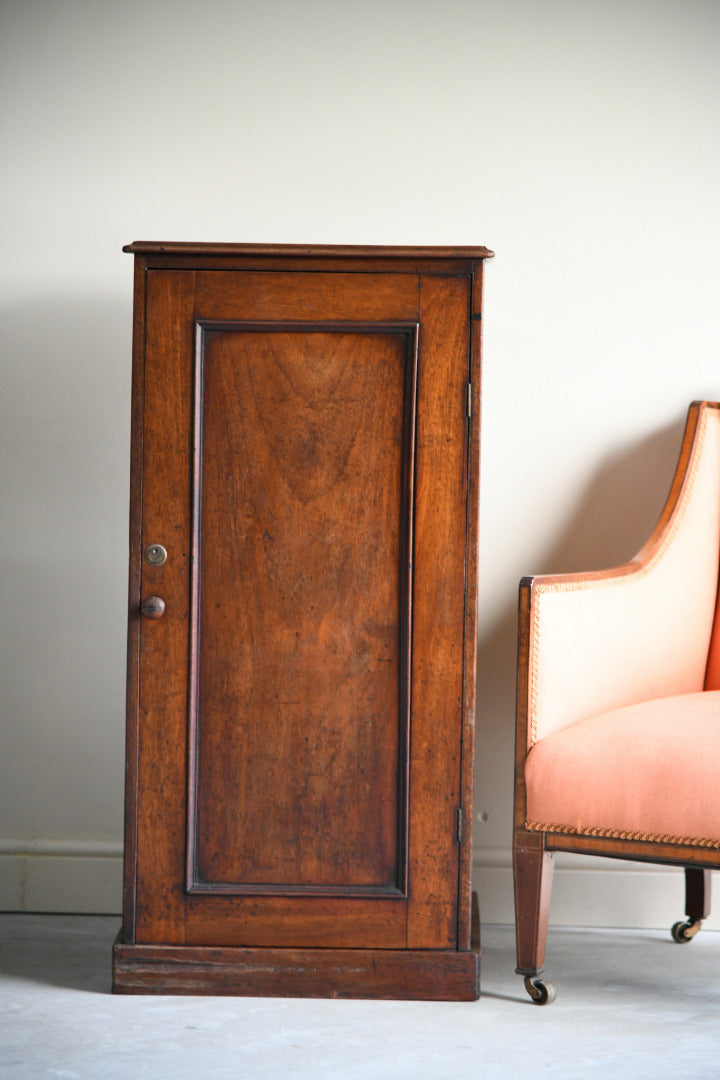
72, 952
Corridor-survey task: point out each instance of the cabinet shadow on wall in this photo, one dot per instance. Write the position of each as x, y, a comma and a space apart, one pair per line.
65, 393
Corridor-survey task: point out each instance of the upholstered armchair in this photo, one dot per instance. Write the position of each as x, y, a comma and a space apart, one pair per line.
618, 708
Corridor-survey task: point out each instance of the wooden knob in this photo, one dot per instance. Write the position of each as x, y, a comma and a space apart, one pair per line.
153, 607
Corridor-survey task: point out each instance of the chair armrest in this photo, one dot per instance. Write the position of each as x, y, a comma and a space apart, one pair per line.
595, 641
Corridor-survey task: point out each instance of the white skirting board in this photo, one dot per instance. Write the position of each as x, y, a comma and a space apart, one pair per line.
83, 877
63, 876
589, 891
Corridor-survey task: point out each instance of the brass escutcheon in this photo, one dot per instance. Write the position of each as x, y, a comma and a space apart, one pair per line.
156, 554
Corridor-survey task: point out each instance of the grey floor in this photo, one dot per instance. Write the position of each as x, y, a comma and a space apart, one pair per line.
630, 1004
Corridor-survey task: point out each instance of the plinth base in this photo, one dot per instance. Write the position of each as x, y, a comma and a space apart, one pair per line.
432, 975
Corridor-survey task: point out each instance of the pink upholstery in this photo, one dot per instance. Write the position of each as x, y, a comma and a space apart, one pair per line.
648, 771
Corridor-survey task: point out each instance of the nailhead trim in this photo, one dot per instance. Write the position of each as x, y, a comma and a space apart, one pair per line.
622, 834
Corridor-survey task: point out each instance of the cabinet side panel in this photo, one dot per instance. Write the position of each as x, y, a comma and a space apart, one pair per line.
473, 424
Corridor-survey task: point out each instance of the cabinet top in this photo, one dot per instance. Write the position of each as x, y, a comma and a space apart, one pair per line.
325, 251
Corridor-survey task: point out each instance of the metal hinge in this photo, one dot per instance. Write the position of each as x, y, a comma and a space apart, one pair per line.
469, 399
459, 824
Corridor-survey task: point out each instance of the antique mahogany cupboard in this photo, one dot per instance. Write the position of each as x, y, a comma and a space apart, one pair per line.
303, 575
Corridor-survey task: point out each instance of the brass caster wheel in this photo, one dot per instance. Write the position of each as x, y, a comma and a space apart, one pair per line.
685, 930
542, 993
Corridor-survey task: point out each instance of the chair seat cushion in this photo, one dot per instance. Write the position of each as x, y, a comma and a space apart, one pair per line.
648, 771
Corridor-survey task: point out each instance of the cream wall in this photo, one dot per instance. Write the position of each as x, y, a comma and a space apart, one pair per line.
579, 139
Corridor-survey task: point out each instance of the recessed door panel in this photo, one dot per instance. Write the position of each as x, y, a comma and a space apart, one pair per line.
305, 458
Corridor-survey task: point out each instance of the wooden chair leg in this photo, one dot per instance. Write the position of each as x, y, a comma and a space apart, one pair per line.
697, 892
697, 904
532, 872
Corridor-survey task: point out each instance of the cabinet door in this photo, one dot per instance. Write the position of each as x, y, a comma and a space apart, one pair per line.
299, 703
